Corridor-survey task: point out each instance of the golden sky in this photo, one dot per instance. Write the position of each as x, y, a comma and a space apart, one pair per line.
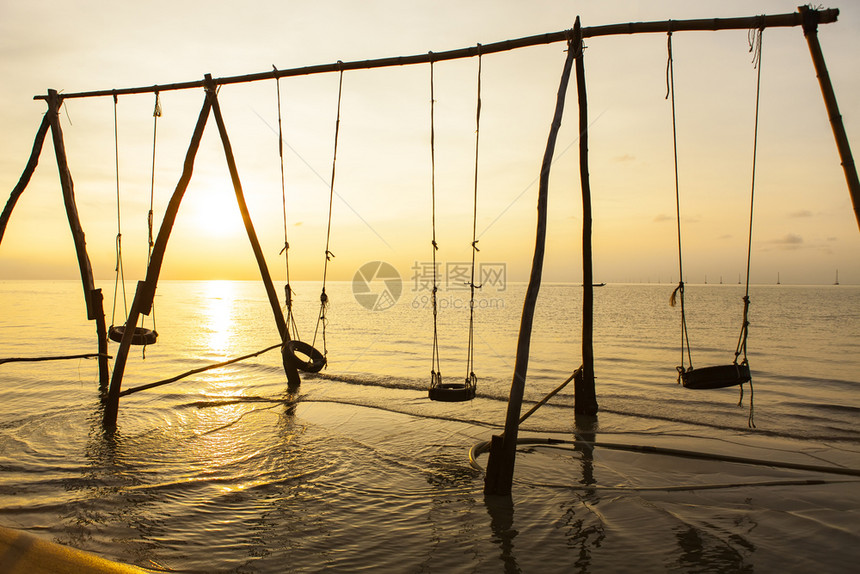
804, 227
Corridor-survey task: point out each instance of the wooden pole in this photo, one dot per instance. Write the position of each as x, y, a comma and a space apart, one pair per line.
500, 465
102, 335
92, 296
52, 358
585, 397
703, 24
196, 371
25, 177
811, 19
292, 373
54, 103
145, 291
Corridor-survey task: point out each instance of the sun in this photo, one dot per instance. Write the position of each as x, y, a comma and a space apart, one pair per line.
214, 211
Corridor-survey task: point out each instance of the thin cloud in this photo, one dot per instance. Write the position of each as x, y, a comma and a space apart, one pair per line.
800, 213
788, 241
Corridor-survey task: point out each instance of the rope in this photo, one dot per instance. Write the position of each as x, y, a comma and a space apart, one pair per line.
755, 41
321, 319
288, 290
435, 366
471, 379
156, 113
678, 293
120, 275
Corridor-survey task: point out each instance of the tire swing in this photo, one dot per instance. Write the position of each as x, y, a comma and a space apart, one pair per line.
738, 372
141, 336
300, 354
438, 390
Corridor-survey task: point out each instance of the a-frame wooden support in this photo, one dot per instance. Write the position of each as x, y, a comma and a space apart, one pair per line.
145, 292
500, 466
92, 296
111, 384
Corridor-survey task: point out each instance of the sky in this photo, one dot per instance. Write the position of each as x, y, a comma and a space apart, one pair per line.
804, 229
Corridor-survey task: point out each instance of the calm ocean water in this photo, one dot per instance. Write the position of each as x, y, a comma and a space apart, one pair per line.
226, 471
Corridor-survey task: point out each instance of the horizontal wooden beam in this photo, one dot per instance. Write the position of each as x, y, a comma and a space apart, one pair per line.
704, 24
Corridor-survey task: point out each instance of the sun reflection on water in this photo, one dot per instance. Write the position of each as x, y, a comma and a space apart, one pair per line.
219, 316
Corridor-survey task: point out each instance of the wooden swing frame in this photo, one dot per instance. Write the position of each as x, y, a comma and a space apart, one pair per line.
502, 455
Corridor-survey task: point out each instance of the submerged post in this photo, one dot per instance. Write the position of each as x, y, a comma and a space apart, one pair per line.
500, 466
810, 31
585, 397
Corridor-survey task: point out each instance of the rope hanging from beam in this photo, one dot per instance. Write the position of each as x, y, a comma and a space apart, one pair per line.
471, 380
435, 366
322, 319
285, 250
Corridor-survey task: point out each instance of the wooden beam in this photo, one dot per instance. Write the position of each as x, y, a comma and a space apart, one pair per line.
500, 466
101, 334
54, 103
585, 396
196, 371
25, 177
92, 296
810, 30
292, 373
706, 24
145, 292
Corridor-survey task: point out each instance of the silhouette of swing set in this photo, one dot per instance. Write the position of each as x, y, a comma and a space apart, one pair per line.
303, 356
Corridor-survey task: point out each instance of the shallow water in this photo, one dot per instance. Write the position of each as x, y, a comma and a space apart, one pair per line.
228, 472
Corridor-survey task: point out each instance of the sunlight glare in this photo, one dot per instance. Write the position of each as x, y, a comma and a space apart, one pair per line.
219, 315
216, 213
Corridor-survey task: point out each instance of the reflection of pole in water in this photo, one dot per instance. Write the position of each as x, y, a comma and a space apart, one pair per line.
501, 510
586, 427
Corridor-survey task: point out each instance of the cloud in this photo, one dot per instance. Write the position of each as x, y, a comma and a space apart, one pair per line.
663, 217
788, 241
800, 213
624, 158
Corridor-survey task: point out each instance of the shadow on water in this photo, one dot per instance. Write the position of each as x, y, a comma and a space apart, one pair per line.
501, 511
699, 551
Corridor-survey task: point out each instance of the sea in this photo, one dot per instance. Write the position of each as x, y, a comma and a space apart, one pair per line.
229, 470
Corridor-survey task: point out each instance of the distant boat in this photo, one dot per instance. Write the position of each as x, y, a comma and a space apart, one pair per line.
837, 278
604, 284
777, 277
